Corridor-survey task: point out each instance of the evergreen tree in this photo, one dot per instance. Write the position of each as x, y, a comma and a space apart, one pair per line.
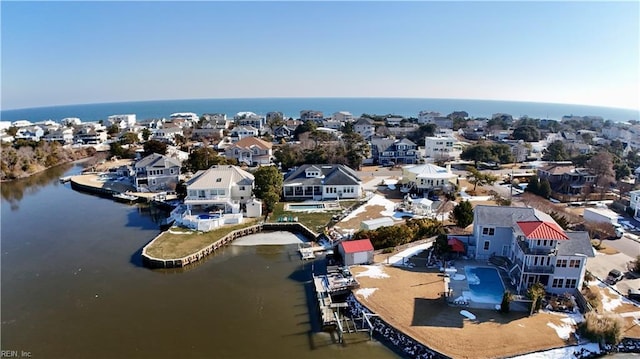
462, 214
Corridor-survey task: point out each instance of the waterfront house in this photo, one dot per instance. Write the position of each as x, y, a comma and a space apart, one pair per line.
89, 134
250, 150
122, 121
30, 133
426, 178
63, 135
221, 187
156, 173
389, 151
322, 182
535, 247
356, 252
306, 115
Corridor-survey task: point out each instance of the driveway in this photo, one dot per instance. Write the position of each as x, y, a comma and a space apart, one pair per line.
603, 263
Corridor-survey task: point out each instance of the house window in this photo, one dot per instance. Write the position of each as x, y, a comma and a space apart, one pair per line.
486, 245
561, 263
242, 188
574, 263
488, 231
172, 171
571, 283
557, 283
153, 181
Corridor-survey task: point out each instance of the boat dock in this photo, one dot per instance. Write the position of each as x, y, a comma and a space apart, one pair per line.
309, 252
324, 302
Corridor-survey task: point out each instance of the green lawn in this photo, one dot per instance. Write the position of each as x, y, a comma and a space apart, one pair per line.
173, 246
315, 221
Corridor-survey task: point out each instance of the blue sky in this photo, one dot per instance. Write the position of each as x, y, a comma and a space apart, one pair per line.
88, 52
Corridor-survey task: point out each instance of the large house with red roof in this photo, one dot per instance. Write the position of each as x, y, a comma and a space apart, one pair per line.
536, 248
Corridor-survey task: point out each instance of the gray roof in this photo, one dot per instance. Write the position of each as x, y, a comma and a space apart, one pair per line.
331, 175
220, 177
501, 216
156, 160
578, 243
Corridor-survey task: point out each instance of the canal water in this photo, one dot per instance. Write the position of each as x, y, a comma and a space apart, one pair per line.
73, 287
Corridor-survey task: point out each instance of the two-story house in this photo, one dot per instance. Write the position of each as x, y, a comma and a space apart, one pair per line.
30, 133
441, 148
566, 178
156, 173
634, 203
388, 151
364, 127
63, 135
240, 132
221, 187
537, 248
322, 182
311, 115
251, 150
426, 178
249, 119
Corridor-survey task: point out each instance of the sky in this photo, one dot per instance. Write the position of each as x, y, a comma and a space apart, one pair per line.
60, 53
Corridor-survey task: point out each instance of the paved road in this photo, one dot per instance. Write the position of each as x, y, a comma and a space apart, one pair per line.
626, 245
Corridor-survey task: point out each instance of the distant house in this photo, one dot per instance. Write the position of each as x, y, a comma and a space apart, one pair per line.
122, 121
241, 132
387, 151
342, 116
250, 150
31, 133
537, 248
634, 199
425, 117
156, 173
215, 120
90, 135
394, 121
441, 148
565, 178
356, 252
247, 118
167, 134
63, 135
226, 188
322, 182
306, 115
426, 178
283, 132
364, 127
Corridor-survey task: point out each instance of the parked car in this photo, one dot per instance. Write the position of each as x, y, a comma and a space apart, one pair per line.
634, 294
614, 276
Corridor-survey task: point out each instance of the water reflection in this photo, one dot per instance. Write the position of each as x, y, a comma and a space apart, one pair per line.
14, 191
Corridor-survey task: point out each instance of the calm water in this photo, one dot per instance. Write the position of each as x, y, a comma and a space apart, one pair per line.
72, 287
291, 107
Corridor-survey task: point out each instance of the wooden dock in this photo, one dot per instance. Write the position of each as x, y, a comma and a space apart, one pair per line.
324, 301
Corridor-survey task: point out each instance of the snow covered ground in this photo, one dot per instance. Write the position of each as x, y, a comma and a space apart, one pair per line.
401, 259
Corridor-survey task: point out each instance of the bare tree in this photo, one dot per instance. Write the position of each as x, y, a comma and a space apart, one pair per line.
601, 165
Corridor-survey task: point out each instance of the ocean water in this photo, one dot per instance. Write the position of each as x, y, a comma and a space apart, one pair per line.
291, 107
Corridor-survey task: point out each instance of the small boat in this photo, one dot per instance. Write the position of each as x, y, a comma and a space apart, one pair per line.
123, 197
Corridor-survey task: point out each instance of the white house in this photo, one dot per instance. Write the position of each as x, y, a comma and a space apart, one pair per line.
426, 177
21, 123
322, 182
156, 173
534, 247
167, 134
32, 133
364, 127
240, 132
342, 116
226, 188
425, 117
441, 148
71, 121
122, 121
63, 135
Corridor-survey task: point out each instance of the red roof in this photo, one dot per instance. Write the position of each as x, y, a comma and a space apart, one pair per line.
360, 245
542, 230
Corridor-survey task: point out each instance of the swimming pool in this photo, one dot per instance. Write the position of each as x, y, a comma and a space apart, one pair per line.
485, 285
305, 206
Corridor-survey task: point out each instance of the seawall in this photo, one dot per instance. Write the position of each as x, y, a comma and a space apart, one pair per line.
153, 262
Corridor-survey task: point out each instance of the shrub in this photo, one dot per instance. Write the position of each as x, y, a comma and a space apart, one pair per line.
388, 250
592, 298
602, 328
506, 299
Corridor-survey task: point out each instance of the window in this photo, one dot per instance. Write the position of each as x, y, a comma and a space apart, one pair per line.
242, 188
486, 245
574, 263
557, 283
488, 231
571, 283
561, 263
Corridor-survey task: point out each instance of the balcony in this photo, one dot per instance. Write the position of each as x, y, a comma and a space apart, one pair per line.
526, 249
539, 269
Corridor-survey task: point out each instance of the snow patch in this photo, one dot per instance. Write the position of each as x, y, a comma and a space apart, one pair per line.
373, 272
561, 353
564, 331
399, 259
365, 292
608, 303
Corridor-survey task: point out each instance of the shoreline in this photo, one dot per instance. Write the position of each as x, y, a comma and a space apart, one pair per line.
80, 160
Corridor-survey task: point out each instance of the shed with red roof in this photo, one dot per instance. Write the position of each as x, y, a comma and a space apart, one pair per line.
356, 252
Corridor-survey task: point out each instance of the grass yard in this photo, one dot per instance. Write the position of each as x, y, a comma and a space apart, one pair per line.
184, 242
316, 221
